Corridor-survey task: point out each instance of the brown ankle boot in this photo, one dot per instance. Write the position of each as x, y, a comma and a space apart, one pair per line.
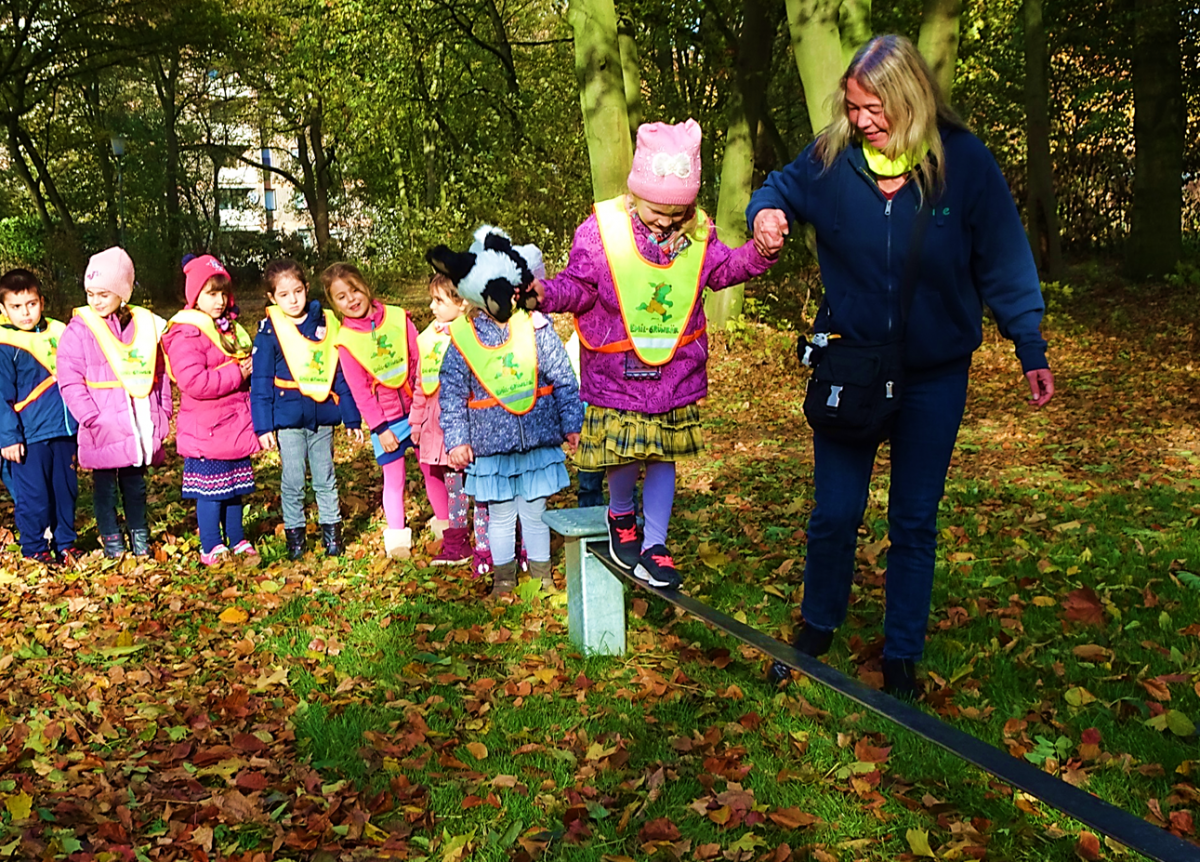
545, 573
504, 579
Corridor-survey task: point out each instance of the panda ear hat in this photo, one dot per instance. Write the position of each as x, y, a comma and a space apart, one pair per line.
491, 272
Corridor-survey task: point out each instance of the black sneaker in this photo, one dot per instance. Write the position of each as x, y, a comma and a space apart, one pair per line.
810, 641
900, 679
623, 542
656, 568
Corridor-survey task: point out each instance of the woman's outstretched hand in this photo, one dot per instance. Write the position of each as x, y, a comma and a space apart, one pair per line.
770, 227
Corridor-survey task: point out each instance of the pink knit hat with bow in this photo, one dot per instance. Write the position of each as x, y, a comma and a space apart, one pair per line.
197, 272
666, 163
110, 270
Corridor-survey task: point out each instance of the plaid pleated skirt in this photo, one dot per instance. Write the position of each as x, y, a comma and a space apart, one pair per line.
613, 437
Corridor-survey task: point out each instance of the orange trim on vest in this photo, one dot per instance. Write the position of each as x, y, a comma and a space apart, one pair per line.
292, 384
105, 384
480, 403
37, 392
627, 343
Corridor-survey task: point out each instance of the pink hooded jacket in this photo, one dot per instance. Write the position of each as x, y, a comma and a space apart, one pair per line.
214, 400
108, 417
379, 405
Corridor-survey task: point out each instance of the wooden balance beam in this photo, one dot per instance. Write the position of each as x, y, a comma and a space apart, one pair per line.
596, 625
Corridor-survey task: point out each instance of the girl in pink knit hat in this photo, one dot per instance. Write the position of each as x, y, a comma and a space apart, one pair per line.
208, 354
634, 281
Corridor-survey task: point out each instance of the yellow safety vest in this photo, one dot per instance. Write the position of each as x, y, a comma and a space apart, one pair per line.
42, 346
431, 344
656, 300
313, 364
204, 322
384, 350
133, 363
508, 371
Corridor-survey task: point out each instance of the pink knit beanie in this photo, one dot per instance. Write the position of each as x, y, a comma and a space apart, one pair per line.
196, 273
110, 270
666, 163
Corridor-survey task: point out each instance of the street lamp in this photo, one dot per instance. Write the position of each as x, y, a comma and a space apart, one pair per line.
118, 151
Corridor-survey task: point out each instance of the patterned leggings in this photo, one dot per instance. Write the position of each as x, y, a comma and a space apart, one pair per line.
444, 487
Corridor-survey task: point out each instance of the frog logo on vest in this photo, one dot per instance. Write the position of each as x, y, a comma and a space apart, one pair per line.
659, 304
509, 366
136, 356
383, 348
316, 364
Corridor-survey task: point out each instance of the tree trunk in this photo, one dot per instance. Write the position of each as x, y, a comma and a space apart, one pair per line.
854, 19
938, 42
631, 72
1042, 209
1155, 241
602, 95
746, 106
817, 47
165, 83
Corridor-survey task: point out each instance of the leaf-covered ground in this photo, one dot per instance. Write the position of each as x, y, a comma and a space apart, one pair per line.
361, 709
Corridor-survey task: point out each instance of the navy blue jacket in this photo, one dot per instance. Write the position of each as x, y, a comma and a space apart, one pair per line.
493, 430
42, 419
273, 408
975, 252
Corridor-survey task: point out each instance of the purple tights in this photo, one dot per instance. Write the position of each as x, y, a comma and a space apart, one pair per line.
658, 496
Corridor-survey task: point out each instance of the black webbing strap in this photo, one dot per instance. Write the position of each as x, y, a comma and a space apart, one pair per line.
1093, 812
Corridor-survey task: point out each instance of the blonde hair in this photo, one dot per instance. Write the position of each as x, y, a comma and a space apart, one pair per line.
891, 68
689, 228
348, 273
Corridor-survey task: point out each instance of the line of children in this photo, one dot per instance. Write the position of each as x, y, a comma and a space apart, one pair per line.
208, 355
444, 486
298, 394
37, 432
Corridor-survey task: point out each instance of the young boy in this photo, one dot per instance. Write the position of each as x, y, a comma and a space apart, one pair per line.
37, 432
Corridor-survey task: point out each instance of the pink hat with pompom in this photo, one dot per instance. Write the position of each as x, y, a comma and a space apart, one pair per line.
196, 273
666, 163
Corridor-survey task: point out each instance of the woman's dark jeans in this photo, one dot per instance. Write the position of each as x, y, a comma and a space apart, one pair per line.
132, 484
921, 446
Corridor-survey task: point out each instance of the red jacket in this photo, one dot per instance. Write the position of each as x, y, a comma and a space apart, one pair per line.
214, 400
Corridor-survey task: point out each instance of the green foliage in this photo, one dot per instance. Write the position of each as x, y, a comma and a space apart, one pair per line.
22, 242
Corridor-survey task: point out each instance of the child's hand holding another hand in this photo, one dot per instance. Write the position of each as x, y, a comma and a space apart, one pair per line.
573, 442
267, 441
461, 456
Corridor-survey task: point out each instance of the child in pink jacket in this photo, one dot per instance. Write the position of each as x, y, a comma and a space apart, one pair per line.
208, 353
112, 377
377, 347
444, 485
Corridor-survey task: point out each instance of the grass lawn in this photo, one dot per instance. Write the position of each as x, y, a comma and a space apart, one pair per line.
364, 709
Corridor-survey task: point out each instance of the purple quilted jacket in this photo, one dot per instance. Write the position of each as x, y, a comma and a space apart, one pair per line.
585, 288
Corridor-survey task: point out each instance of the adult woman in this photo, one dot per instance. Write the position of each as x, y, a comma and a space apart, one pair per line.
893, 148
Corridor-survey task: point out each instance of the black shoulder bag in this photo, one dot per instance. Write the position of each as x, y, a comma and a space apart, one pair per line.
855, 390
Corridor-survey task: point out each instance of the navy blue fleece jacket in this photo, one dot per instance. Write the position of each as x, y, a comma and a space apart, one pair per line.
273, 408
975, 252
45, 418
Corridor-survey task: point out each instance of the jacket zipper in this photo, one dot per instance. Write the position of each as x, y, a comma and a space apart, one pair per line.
887, 213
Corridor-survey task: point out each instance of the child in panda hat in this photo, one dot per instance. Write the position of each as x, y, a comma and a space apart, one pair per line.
508, 398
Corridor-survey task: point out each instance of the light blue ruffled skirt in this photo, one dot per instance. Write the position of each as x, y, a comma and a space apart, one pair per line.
499, 478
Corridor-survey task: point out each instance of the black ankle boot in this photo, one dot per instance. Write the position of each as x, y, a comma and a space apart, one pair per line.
900, 679
809, 641
114, 545
139, 542
331, 536
295, 542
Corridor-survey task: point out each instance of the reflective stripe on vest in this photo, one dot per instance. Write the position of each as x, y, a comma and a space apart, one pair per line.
507, 372
313, 364
204, 322
383, 351
656, 300
133, 363
431, 345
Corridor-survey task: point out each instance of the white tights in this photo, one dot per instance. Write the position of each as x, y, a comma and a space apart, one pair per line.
502, 530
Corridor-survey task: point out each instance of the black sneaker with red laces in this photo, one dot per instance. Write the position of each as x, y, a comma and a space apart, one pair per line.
656, 568
623, 542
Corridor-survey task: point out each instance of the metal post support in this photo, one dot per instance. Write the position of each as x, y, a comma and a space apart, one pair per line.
595, 597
